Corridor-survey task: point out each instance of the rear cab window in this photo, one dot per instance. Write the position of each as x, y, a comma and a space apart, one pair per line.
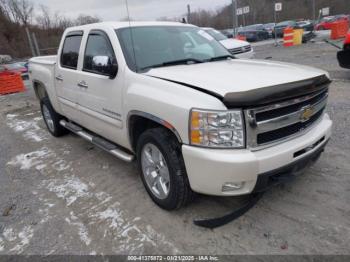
70, 51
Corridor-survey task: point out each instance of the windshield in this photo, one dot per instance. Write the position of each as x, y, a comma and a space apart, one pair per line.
216, 34
156, 45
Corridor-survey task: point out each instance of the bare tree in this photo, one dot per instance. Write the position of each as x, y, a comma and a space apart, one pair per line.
86, 19
21, 11
44, 19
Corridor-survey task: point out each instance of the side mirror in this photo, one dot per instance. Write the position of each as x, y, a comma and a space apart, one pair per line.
104, 65
113, 70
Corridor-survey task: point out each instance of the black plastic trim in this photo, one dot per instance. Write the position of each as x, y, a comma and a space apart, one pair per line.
344, 58
277, 93
288, 172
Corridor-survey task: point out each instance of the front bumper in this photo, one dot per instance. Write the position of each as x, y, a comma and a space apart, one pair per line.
209, 169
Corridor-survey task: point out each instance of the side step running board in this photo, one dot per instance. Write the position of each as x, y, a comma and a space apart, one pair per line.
98, 141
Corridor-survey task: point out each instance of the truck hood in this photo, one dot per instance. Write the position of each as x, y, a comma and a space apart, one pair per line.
236, 76
233, 43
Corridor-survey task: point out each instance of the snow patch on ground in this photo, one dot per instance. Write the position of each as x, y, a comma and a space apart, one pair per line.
70, 189
9, 234
109, 215
60, 165
134, 238
21, 239
29, 160
2, 245
29, 128
82, 229
40, 160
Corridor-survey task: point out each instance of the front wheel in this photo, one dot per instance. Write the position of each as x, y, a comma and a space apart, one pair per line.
162, 169
52, 118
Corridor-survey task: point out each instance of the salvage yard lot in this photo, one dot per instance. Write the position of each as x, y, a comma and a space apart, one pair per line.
65, 196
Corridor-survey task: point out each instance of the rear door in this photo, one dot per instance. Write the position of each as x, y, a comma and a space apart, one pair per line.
66, 74
100, 96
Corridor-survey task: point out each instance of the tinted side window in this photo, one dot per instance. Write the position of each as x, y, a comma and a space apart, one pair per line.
70, 51
99, 54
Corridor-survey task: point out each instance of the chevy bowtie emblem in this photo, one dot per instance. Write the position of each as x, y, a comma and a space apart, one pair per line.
306, 113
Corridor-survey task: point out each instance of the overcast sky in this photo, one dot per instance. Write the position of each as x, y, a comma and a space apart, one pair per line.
109, 10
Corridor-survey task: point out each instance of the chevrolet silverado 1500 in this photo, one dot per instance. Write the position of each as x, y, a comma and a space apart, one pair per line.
172, 97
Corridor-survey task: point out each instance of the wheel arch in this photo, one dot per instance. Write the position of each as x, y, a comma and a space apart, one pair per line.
138, 122
39, 89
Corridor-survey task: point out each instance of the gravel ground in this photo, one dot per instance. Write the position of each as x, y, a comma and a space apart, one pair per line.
65, 196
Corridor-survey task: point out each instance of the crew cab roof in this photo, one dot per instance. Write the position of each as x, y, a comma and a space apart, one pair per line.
118, 25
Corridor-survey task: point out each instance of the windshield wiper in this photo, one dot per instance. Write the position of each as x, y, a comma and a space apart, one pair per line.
185, 61
219, 58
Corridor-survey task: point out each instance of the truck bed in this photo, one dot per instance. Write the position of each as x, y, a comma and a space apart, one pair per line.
48, 60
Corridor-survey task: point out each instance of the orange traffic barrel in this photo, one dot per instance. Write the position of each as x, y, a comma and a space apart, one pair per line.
11, 83
288, 35
241, 37
339, 29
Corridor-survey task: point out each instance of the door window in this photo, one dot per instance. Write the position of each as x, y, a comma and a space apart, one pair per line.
99, 54
70, 51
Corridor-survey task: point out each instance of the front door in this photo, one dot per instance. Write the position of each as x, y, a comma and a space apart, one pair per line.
99, 99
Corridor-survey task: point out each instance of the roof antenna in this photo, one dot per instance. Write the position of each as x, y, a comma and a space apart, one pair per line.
131, 34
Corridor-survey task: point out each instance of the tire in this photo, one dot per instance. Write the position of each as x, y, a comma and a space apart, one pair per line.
54, 127
179, 191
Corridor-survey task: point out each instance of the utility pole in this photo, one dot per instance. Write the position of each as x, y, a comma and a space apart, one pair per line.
36, 46
30, 42
189, 14
234, 17
275, 18
313, 9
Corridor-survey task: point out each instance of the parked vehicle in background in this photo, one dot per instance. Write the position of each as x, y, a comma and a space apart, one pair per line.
195, 118
238, 48
5, 59
254, 33
16, 68
279, 28
229, 33
307, 25
24, 63
269, 28
326, 22
344, 55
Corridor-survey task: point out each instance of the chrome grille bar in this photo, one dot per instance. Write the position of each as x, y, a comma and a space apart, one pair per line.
289, 119
289, 113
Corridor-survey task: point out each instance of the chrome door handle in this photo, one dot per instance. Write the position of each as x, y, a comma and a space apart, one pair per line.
83, 84
59, 78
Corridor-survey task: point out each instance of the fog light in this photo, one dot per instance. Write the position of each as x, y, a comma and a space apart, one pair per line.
230, 186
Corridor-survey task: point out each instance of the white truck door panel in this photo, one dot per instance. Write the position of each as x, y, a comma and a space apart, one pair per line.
99, 99
66, 75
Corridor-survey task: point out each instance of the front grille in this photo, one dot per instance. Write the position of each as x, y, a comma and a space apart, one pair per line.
240, 50
265, 115
287, 131
272, 123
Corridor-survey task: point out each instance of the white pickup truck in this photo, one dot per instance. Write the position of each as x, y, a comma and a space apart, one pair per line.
195, 118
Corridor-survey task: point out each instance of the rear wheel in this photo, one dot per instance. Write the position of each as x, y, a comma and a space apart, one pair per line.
162, 169
52, 118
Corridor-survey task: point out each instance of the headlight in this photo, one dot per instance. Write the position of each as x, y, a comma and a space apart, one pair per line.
217, 129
